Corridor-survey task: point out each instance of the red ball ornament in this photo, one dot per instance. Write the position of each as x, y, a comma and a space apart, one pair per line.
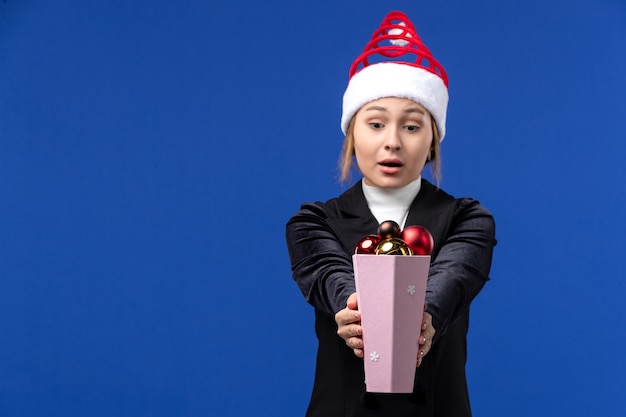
419, 239
367, 245
388, 229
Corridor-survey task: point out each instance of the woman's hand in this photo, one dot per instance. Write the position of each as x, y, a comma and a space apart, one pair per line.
349, 329
426, 337
349, 326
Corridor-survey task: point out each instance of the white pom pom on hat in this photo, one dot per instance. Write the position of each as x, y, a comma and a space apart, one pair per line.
408, 70
397, 31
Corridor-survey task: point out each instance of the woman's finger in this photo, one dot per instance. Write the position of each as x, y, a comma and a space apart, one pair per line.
350, 330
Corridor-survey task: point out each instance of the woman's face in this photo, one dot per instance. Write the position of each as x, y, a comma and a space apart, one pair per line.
392, 138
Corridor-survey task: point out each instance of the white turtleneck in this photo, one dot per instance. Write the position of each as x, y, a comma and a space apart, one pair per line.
391, 204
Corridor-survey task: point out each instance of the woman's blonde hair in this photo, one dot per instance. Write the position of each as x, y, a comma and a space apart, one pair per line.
346, 159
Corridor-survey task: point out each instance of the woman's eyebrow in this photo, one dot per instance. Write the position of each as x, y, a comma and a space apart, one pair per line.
376, 108
409, 110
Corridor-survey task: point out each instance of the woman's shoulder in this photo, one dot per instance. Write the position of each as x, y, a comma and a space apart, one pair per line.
438, 196
350, 201
469, 213
308, 210
441, 208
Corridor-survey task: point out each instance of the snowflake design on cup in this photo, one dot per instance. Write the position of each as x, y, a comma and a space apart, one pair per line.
374, 356
411, 289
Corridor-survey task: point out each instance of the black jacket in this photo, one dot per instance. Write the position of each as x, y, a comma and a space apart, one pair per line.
321, 238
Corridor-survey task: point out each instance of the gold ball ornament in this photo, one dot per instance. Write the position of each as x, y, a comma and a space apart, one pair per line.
393, 246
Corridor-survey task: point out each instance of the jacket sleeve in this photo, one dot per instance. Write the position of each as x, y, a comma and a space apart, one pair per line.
461, 267
319, 263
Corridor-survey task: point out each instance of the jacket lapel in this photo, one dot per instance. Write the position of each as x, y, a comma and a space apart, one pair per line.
431, 209
353, 220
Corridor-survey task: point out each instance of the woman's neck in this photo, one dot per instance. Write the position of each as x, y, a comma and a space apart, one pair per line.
391, 203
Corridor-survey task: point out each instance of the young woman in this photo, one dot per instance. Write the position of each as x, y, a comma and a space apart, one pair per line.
394, 113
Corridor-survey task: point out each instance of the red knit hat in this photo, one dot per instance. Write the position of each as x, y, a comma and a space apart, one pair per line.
396, 63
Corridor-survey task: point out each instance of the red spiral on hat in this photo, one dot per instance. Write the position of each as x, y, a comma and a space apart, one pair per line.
398, 30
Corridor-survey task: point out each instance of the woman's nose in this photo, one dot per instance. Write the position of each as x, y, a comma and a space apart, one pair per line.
392, 141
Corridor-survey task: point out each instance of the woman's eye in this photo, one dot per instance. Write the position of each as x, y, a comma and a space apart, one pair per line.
376, 125
412, 128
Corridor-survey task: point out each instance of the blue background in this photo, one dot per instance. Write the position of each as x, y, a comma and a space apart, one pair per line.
152, 151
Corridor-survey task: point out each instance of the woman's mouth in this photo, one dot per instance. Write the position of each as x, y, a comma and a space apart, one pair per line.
390, 166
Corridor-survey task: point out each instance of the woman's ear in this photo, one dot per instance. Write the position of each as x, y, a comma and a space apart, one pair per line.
431, 152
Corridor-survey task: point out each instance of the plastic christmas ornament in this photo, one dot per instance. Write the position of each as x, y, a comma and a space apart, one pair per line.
367, 245
388, 229
419, 239
393, 246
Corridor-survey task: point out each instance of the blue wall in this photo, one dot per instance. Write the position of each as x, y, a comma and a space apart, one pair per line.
152, 151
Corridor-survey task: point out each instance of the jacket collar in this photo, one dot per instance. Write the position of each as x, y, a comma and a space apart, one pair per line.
354, 220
